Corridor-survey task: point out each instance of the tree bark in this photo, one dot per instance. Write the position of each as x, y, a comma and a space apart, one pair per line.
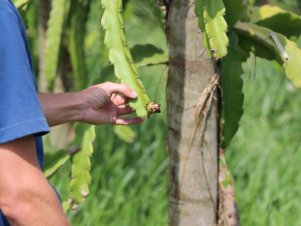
193, 169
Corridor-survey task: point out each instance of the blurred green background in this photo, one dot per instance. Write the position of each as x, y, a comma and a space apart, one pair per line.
130, 180
265, 154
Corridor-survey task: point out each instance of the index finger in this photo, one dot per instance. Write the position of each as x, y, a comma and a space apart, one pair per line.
122, 89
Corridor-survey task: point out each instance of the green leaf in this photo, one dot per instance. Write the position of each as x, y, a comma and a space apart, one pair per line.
243, 53
231, 84
143, 55
106, 74
213, 25
234, 10
21, 3
199, 12
277, 19
259, 49
286, 52
22, 6
141, 18
53, 38
125, 133
80, 170
120, 55
53, 161
79, 14
148, 54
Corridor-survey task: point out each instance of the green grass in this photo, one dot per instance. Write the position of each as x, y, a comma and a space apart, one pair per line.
265, 154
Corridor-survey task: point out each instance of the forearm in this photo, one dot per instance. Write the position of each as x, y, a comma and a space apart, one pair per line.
34, 204
26, 198
61, 107
105, 103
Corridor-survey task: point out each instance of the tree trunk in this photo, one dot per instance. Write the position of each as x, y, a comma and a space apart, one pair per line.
193, 169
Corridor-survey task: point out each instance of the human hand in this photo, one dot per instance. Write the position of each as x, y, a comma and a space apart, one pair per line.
106, 103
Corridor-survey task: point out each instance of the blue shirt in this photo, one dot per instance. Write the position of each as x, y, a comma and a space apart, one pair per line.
20, 110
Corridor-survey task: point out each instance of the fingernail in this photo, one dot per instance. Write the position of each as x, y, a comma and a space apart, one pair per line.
134, 94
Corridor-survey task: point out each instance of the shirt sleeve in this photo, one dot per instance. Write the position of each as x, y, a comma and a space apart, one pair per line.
20, 110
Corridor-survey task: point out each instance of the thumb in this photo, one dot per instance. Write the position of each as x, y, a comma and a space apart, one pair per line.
124, 90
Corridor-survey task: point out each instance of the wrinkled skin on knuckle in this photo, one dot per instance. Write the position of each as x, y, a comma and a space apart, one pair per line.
97, 97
